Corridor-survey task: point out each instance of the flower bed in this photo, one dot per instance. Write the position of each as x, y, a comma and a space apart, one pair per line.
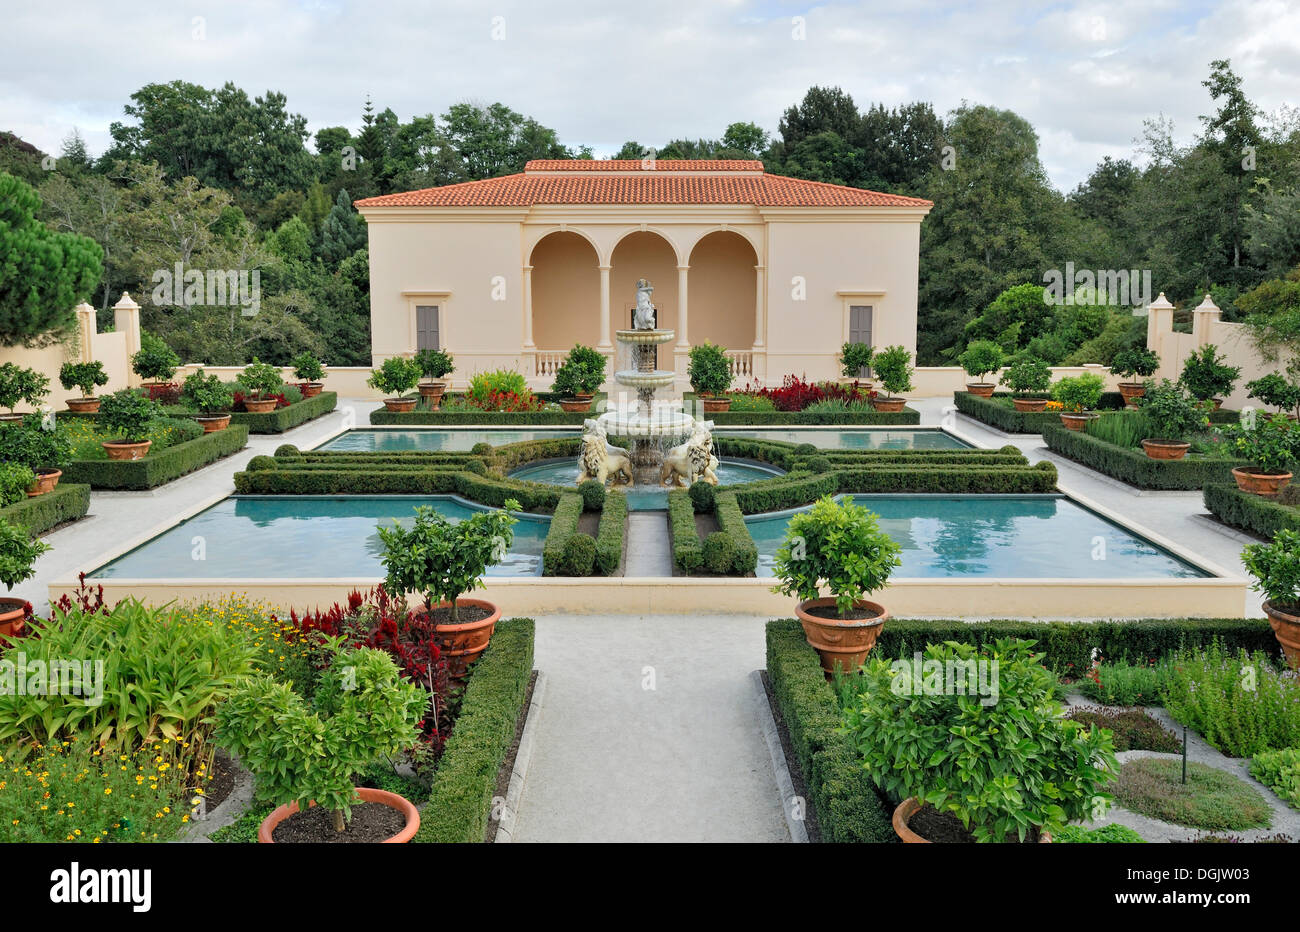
158, 468
68, 502
1254, 513
1135, 467
287, 417
86, 437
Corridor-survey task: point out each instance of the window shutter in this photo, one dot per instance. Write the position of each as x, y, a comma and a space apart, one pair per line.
860, 329
427, 334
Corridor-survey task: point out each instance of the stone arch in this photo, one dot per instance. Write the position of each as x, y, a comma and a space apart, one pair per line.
643, 254
722, 290
566, 291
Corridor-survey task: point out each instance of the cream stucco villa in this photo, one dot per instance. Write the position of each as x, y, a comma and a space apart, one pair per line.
513, 271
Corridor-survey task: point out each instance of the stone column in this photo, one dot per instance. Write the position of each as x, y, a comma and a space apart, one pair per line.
605, 343
760, 276
1160, 324
528, 308
683, 338
1204, 318
126, 319
85, 332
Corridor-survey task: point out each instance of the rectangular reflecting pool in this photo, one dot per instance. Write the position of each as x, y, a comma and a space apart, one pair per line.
998, 537
859, 438
434, 439
303, 536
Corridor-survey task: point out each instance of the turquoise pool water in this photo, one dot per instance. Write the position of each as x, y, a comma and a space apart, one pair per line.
641, 497
276, 537
1000, 537
870, 438
433, 439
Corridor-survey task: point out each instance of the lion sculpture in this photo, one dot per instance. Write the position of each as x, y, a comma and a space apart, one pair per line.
601, 460
692, 460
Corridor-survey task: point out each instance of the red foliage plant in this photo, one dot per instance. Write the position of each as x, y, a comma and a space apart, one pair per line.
165, 393
795, 393
509, 401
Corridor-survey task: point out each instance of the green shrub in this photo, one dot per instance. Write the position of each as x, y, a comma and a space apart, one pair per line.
709, 370
1206, 374
19, 552
155, 361
1276, 568
582, 372
1079, 393
718, 553
1211, 799
395, 376
981, 358
564, 525
702, 496
579, 556
1134, 361
1270, 445
688, 554
18, 383
497, 382
157, 468
15, 478
1027, 374
1125, 429
1237, 701
206, 393
1276, 391
29, 443
86, 376
746, 403
1106, 834
435, 364
609, 533
855, 359
1280, 772
1253, 513
68, 502
307, 368
126, 414
1171, 411
593, 495
893, 368
732, 523
1124, 684
260, 379
1134, 466
817, 464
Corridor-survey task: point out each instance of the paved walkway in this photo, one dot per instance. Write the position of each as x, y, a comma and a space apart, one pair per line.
649, 547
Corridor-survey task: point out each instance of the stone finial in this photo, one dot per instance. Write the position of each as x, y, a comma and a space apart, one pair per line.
1160, 304
125, 303
1207, 305
84, 308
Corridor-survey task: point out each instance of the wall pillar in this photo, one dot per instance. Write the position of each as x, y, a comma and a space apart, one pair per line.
1160, 326
126, 320
1205, 317
86, 329
683, 338
528, 308
605, 342
760, 292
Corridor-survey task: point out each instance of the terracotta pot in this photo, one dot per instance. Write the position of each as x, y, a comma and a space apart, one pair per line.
260, 405
1218, 403
432, 392
46, 480
123, 450
1286, 628
465, 643
1260, 483
1029, 405
311, 389
910, 807
841, 643
83, 405
714, 405
368, 795
983, 389
13, 618
889, 405
1077, 421
575, 405
584, 396
1131, 391
214, 423
11, 418
400, 405
1166, 449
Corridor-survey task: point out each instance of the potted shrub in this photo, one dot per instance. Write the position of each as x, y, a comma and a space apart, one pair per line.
975, 742
434, 365
1270, 446
1276, 568
855, 363
838, 545
16, 480
1077, 396
260, 381
1133, 363
396, 376
1276, 391
1174, 415
127, 414
303, 756
86, 376
210, 396
981, 358
309, 371
155, 362
893, 368
710, 375
440, 561
1207, 377
17, 384
578, 378
44, 451
18, 553
1027, 374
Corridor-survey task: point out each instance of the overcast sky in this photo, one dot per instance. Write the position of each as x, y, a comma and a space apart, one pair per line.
1085, 74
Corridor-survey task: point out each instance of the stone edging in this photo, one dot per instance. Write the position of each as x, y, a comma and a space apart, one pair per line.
780, 768
527, 743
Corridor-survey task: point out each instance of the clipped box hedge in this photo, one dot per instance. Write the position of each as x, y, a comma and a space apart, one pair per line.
688, 552
68, 502
1254, 513
1004, 417
908, 417
564, 525
460, 799
161, 467
287, 418
374, 480
731, 521
849, 808
611, 533
1134, 466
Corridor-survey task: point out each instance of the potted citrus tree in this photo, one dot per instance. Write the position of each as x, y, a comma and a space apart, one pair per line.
1270, 446
127, 415
1026, 376
1173, 415
303, 756
396, 376
18, 554
43, 450
17, 384
893, 368
439, 562
975, 745
209, 396
86, 376
435, 365
838, 546
309, 371
155, 362
1276, 391
579, 377
1077, 396
1208, 377
855, 363
710, 375
260, 382
981, 358
1276, 568
1133, 363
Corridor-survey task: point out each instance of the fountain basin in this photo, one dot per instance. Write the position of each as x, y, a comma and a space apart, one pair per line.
661, 424
644, 337
655, 378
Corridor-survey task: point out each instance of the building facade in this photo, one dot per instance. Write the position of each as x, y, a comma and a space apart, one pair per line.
511, 272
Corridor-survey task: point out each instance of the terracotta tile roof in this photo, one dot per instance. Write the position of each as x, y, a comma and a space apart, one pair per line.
624, 182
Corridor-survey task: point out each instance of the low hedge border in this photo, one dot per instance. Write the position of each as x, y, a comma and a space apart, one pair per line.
564, 525
287, 418
460, 798
68, 502
158, 468
611, 533
1134, 466
486, 490
791, 455
849, 808
731, 521
688, 552
1253, 513
1010, 421
908, 417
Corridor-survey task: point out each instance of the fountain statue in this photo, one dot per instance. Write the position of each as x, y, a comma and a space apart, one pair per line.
651, 426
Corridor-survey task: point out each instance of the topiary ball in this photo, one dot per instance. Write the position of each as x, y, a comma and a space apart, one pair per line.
259, 463
579, 556
718, 552
481, 449
703, 498
818, 464
805, 449
287, 451
593, 495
